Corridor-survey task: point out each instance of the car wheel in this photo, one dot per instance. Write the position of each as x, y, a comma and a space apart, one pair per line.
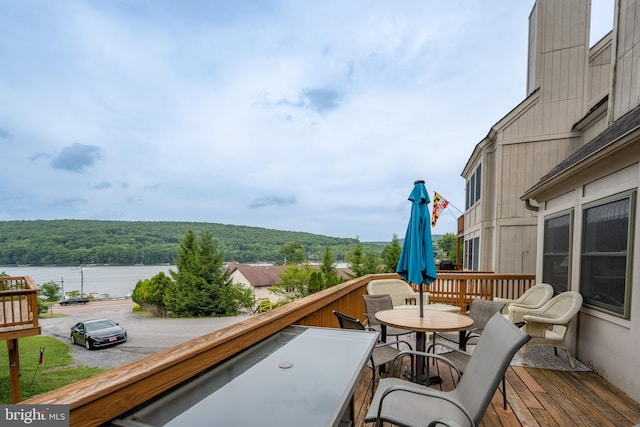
73, 340
87, 344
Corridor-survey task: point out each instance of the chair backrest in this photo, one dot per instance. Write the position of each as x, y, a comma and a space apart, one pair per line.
562, 308
348, 322
374, 304
398, 289
534, 297
489, 361
482, 310
537, 295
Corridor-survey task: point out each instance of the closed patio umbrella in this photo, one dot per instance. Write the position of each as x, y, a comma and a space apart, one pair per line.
417, 263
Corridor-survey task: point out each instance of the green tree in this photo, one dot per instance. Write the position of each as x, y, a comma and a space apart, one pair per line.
50, 291
150, 293
446, 246
293, 253
293, 283
316, 283
391, 255
355, 260
372, 264
201, 285
328, 268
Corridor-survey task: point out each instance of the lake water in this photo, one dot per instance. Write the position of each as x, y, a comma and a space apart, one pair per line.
116, 281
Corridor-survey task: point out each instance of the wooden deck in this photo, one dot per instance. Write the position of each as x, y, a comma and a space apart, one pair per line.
541, 397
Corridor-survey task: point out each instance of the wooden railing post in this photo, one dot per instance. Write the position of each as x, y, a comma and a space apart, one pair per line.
462, 298
14, 369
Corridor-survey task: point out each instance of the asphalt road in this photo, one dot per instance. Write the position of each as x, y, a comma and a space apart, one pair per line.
145, 335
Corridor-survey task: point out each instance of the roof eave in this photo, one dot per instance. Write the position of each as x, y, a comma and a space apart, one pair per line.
607, 150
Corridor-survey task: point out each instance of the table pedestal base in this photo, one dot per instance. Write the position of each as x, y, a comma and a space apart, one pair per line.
433, 379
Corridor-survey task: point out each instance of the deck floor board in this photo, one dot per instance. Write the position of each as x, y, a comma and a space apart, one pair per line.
540, 397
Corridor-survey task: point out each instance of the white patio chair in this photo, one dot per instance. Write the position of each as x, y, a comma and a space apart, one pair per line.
534, 297
401, 292
548, 324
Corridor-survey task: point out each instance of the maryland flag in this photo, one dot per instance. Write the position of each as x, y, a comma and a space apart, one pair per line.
439, 204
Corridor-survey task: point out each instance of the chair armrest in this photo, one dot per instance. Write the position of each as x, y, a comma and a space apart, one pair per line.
517, 312
506, 302
413, 353
444, 421
434, 394
386, 344
535, 329
531, 318
367, 323
446, 360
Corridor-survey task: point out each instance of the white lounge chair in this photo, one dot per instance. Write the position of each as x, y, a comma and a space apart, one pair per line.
534, 297
401, 292
548, 324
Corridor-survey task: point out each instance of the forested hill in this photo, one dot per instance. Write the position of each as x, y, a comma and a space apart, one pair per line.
74, 242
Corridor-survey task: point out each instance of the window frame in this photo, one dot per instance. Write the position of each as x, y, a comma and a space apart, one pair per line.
472, 259
473, 187
586, 283
546, 254
478, 183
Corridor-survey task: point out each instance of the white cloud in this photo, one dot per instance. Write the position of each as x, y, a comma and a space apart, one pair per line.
305, 116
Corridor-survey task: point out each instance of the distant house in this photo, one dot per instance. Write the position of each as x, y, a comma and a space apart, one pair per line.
257, 277
261, 277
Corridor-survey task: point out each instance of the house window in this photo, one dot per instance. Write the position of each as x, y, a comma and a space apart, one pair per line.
606, 243
478, 182
472, 248
472, 189
556, 251
474, 184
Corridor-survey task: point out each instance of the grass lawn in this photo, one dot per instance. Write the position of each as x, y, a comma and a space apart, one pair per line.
58, 369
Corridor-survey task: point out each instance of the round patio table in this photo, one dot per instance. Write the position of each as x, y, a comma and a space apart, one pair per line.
432, 321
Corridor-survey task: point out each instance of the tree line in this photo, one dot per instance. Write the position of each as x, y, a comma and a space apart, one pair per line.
201, 285
75, 242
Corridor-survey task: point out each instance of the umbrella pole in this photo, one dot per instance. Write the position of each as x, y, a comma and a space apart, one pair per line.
421, 305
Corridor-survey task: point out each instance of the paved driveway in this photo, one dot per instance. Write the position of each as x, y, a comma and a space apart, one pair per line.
145, 335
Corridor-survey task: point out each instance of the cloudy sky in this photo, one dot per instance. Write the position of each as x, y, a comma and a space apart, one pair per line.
312, 116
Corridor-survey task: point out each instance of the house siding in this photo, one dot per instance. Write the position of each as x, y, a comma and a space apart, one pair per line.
575, 95
626, 92
596, 332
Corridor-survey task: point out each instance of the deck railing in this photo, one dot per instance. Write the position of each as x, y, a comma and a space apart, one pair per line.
18, 304
460, 288
99, 399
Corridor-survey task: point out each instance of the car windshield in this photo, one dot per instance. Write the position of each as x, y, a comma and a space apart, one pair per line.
102, 324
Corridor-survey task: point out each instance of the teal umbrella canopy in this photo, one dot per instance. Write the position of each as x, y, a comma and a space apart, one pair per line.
417, 263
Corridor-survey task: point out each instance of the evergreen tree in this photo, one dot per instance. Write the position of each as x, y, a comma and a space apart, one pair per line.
316, 282
355, 258
328, 268
371, 264
201, 285
391, 255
